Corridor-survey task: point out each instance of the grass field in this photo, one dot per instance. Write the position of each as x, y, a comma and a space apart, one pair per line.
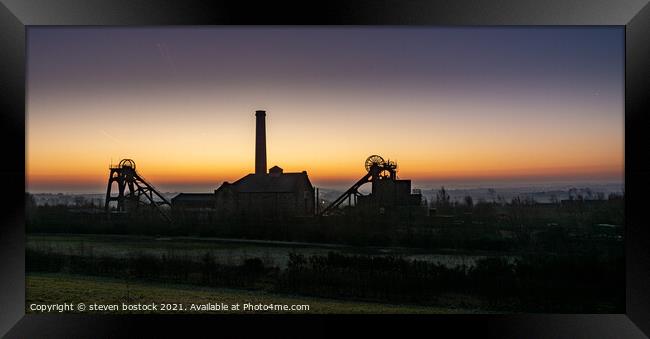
64, 288
226, 251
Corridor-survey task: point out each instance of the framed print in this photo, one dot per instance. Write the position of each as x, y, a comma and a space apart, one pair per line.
477, 168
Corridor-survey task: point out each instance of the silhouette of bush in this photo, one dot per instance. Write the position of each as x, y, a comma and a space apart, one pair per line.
532, 283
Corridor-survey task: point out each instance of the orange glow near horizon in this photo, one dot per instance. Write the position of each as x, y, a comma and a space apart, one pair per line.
206, 158
172, 150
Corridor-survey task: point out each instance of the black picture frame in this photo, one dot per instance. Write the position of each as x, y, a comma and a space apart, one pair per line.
17, 15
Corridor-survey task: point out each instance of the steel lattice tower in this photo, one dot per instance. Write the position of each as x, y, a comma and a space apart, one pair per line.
126, 177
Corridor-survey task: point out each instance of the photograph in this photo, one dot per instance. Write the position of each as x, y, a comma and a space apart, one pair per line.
325, 169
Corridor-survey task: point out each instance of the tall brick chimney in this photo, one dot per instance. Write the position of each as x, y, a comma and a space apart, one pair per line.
260, 142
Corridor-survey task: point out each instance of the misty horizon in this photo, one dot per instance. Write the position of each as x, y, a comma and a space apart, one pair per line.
504, 186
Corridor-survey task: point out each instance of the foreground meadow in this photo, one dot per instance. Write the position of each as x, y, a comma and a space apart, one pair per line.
44, 288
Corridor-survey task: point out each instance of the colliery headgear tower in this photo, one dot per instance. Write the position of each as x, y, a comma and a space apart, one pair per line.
387, 190
128, 178
260, 142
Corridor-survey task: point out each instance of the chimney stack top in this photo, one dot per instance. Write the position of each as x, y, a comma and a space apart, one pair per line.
260, 142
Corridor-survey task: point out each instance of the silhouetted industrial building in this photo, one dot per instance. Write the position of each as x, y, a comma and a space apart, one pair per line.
389, 194
275, 194
194, 201
272, 194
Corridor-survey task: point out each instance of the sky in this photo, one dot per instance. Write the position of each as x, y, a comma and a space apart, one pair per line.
472, 106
